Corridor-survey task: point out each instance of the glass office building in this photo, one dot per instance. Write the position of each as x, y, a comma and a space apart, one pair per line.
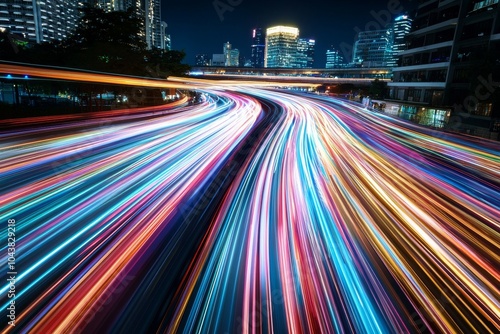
39, 21
281, 47
373, 48
258, 48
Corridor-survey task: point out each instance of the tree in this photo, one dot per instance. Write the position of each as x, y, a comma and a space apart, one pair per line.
8, 49
46, 53
108, 42
378, 88
161, 64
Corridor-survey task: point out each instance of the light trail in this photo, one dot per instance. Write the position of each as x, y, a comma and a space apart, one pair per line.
105, 78
255, 211
96, 199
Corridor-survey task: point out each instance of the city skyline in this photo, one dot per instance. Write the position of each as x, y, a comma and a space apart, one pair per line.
218, 21
54, 20
141, 195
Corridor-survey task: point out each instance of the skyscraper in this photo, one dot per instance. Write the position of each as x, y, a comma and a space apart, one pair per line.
301, 57
333, 58
281, 46
305, 53
258, 48
400, 28
40, 21
165, 37
153, 24
373, 48
226, 50
231, 56
311, 43
234, 58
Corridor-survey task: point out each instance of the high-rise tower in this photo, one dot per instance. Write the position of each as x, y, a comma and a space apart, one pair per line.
333, 58
281, 46
399, 30
373, 48
258, 48
39, 21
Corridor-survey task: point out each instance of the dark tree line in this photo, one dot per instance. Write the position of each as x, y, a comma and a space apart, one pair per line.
378, 89
103, 41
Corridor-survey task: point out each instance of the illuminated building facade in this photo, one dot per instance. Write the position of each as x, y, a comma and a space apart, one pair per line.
305, 53
281, 47
311, 44
333, 58
373, 48
399, 30
258, 48
445, 75
231, 56
165, 38
153, 24
39, 21
301, 57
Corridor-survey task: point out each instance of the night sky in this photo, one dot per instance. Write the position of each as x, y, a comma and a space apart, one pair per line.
196, 27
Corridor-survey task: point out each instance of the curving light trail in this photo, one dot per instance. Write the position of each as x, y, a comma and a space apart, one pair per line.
89, 203
255, 211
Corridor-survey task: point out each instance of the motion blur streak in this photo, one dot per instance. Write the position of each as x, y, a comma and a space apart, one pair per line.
90, 203
62, 73
336, 219
135, 112
70, 74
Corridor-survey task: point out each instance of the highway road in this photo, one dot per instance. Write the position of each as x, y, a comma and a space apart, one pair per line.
256, 210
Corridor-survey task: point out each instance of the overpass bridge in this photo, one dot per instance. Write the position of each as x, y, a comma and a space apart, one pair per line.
356, 76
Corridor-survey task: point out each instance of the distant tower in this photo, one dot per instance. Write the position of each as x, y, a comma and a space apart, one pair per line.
305, 53
258, 48
333, 58
227, 53
165, 38
231, 56
301, 57
311, 43
400, 28
281, 46
373, 48
153, 24
234, 59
